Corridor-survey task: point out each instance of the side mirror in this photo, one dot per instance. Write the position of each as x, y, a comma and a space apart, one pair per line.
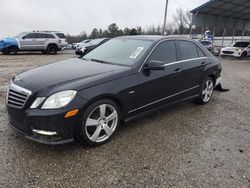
155, 65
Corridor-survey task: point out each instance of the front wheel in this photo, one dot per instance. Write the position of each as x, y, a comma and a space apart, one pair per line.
99, 123
11, 50
207, 91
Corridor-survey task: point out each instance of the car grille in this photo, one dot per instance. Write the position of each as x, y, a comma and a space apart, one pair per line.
17, 96
228, 52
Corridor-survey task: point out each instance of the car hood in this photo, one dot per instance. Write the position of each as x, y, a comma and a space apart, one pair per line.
231, 48
81, 45
76, 74
5, 42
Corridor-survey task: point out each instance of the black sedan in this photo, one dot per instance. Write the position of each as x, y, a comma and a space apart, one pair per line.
86, 99
88, 45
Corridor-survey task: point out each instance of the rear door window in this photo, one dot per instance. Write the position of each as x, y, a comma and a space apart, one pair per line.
200, 52
30, 36
40, 35
49, 36
164, 52
188, 50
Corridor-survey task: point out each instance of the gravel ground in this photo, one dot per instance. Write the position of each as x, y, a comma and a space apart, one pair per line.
185, 145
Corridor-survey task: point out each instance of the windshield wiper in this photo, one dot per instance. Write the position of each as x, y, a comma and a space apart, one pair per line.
100, 61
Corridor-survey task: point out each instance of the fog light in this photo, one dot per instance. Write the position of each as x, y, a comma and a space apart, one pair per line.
71, 113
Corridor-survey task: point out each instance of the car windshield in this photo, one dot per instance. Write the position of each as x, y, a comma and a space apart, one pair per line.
19, 35
95, 41
120, 51
85, 41
241, 44
206, 43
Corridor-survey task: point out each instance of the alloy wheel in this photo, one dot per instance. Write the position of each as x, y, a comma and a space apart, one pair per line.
101, 123
207, 92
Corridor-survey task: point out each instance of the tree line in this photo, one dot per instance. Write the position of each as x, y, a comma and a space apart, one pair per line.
181, 25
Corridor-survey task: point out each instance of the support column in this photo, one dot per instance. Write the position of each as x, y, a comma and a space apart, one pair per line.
214, 34
223, 39
233, 36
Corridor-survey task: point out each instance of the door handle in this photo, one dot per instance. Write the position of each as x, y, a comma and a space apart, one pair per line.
203, 63
178, 70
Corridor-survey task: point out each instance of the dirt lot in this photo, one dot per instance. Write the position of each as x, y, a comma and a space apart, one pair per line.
186, 145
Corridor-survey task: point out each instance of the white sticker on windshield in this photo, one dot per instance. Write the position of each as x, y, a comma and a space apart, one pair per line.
136, 52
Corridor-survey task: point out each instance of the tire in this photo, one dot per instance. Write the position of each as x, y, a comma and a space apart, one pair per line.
11, 50
207, 90
99, 123
52, 49
243, 55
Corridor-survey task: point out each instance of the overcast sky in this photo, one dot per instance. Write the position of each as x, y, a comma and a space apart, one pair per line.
75, 16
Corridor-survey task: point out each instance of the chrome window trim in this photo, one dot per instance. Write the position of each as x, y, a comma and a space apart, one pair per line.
164, 98
176, 62
182, 61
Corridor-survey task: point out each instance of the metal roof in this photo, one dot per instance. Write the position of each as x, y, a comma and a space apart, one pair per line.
224, 13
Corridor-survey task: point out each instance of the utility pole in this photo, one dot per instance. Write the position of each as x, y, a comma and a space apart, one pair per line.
165, 18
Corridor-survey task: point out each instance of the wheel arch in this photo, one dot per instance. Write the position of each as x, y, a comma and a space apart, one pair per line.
107, 96
52, 44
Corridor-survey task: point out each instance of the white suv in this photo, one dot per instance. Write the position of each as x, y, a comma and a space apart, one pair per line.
47, 42
238, 49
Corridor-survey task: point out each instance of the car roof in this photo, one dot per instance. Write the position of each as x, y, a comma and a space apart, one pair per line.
154, 38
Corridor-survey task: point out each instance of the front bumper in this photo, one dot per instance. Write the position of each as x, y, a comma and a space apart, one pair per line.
47, 126
232, 54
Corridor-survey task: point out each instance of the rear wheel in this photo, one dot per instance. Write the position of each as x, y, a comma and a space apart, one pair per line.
52, 49
99, 123
207, 91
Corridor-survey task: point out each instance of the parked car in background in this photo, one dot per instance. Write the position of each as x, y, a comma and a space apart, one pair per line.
89, 45
238, 49
74, 45
46, 42
208, 45
87, 98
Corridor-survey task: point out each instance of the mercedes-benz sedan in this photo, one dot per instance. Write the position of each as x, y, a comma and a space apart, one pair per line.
86, 99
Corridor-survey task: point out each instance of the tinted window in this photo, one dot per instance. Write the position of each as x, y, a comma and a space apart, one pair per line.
200, 52
40, 35
61, 35
164, 52
187, 50
241, 44
205, 43
30, 36
50, 36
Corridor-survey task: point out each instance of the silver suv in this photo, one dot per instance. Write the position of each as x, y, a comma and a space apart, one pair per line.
47, 42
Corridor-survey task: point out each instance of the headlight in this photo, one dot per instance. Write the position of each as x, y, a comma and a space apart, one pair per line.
239, 50
83, 49
59, 100
37, 102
